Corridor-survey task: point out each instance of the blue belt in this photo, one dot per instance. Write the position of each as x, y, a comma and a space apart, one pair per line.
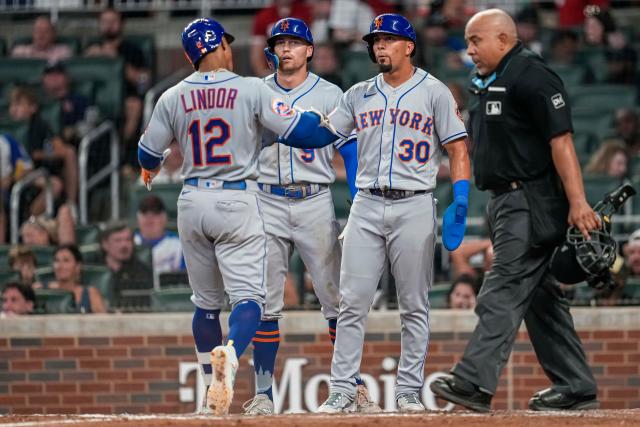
293, 191
209, 183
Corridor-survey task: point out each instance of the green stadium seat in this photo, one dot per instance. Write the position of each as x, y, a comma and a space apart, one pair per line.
596, 60
7, 276
167, 192
54, 301
583, 294
3, 47
602, 98
172, 300
101, 278
174, 279
596, 186
438, 295
144, 254
477, 202
594, 122
87, 234
571, 75
18, 130
585, 144
444, 195
632, 289
44, 254
356, 67
4, 256
108, 77
341, 199
51, 112
146, 43
21, 71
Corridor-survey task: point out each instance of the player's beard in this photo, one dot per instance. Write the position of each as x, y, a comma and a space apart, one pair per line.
385, 68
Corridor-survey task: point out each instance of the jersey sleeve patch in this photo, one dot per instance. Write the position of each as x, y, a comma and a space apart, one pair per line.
281, 108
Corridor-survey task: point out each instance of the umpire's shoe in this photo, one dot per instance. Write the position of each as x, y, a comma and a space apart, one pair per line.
337, 403
461, 392
552, 400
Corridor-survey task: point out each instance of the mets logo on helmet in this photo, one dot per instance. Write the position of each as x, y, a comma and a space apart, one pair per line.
378, 22
284, 25
280, 108
201, 47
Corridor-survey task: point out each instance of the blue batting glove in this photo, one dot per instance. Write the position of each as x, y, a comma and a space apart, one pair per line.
272, 59
455, 217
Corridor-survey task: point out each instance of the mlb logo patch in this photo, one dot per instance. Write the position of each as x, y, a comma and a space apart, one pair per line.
280, 108
557, 101
494, 108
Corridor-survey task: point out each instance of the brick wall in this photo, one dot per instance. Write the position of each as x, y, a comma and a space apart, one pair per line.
118, 372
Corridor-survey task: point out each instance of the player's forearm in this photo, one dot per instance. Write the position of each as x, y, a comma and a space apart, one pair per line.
148, 161
459, 164
308, 134
349, 153
567, 166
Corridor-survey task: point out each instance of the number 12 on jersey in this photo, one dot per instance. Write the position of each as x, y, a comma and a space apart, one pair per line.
218, 132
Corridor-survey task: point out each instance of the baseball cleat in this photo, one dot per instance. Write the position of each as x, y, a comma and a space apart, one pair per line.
224, 364
364, 404
410, 403
337, 403
259, 405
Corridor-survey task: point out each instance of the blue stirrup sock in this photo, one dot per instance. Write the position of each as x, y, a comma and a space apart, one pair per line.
243, 323
207, 334
265, 348
332, 336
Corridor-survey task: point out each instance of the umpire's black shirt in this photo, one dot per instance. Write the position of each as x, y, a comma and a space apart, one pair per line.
516, 112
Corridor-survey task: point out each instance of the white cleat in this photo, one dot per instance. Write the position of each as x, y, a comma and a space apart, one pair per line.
259, 405
337, 403
364, 404
410, 403
224, 365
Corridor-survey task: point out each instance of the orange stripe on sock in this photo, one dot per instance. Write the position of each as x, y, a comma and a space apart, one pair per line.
332, 330
266, 340
267, 332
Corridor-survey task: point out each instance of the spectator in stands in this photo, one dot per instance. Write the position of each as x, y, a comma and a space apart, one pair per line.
473, 258
320, 13
43, 231
631, 253
439, 47
14, 164
23, 260
463, 293
67, 265
116, 242
137, 75
326, 64
528, 26
349, 21
57, 86
152, 231
564, 48
262, 24
627, 126
46, 149
43, 44
171, 171
611, 160
17, 300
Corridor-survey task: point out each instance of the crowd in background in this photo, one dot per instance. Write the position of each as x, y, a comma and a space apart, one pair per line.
585, 36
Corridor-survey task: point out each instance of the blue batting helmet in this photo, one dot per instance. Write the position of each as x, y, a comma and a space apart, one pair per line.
202, 36
293, 27
390, 23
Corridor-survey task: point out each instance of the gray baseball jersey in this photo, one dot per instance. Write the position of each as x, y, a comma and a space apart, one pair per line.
400, 134
280, 164
217, 119
400, 130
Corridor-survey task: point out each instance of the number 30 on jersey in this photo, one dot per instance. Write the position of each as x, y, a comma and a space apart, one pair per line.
216, 132
408, 150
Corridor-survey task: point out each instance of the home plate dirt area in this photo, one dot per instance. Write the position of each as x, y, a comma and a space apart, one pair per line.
626, 417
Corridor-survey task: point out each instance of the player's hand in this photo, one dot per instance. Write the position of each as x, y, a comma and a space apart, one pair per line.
148, 175
272, 59
324, 119
454, 223
582, 216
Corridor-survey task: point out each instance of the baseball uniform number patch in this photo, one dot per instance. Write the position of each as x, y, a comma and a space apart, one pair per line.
220, 132
411, 150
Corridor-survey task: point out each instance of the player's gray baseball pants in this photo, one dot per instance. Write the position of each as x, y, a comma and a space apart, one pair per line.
521, 287
222, 235
403, 230
310, 225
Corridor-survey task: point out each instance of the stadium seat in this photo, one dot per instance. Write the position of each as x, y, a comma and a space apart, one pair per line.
341, 199
167, 192
7, 276
632, 289
444, 195
99, 276
146, 43
438, 295
54, 301
44, 254
477, 202
108, 77
172, 300
596, 186
87, 234
174, 279
595, 59
3, 47
51, 112
585, 144
18, 130
583, 294
597, 123
602, 98
21, 71
571, 75
4, 256
356, 67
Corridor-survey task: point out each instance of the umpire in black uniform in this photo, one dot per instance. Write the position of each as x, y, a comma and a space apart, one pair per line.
524, 156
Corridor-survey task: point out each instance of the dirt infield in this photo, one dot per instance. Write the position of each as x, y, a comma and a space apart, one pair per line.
630, 417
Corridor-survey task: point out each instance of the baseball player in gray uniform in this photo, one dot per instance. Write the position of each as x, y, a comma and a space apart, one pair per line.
296, 204
403, 118
217, 118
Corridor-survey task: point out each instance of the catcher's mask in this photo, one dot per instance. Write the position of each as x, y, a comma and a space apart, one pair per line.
579, 259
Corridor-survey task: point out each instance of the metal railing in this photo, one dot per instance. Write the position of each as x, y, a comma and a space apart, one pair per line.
16, 193
158, 89
111, 170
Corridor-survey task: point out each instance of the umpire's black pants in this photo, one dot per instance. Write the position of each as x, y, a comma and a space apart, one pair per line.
521, 287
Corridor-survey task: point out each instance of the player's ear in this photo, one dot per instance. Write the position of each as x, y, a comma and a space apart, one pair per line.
309, 51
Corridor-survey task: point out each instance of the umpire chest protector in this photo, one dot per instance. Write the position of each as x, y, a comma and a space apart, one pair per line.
513, 118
